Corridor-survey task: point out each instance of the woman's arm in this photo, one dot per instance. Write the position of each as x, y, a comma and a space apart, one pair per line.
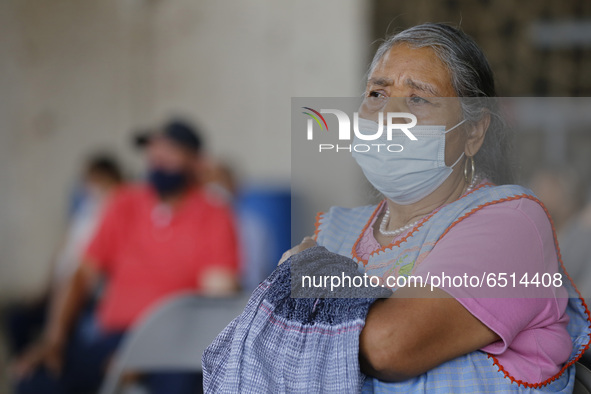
415, 331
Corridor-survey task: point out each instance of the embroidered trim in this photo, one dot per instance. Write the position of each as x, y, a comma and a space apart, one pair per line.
408, 234
496, 362
584, 348
319, 216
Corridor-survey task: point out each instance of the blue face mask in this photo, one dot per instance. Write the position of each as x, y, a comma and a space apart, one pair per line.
412, 174
167, 183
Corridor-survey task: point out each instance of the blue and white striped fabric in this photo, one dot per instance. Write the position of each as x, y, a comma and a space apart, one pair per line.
471, 373
281, 344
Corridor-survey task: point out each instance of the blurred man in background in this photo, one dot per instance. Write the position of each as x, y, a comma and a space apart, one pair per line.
156, 239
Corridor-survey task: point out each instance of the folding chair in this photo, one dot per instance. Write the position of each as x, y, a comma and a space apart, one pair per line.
582, 379
173, 336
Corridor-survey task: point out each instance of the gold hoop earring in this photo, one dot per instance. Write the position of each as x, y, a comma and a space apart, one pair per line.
471, 160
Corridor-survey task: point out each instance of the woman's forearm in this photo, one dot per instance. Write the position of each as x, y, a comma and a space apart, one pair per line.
409, 334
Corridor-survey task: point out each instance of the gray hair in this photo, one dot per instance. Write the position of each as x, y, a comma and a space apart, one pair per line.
472, 80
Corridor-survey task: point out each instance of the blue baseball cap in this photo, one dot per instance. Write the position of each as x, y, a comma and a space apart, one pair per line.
177, 131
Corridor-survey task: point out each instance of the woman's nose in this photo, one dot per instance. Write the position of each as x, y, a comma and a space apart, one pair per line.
373, 106
399, 105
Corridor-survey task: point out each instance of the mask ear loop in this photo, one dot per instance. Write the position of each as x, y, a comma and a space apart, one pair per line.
462, 155
457, 161
448, 130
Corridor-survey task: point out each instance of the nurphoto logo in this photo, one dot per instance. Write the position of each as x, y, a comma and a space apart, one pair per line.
344, 130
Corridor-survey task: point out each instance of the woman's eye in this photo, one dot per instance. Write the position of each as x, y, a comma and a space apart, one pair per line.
417, 100
375, 94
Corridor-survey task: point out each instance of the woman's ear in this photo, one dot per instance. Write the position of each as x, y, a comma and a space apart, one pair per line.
476, 135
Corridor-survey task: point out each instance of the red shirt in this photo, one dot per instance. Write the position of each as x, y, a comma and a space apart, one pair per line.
148, 254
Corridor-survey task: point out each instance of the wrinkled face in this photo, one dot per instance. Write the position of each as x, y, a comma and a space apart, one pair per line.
164, 154
415, 80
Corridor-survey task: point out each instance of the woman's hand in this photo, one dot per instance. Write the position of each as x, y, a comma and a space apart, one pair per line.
307, 242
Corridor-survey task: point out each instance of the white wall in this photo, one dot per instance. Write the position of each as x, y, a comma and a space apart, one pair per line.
76, 75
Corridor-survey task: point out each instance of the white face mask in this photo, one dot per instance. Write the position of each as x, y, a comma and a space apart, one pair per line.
410, 175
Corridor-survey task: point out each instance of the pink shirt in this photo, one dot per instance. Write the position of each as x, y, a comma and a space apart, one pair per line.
512, 236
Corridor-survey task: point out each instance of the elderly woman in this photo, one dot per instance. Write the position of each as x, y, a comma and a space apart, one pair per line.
444, 213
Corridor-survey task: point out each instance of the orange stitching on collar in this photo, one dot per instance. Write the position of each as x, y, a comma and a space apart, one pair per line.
408, 234
319, 216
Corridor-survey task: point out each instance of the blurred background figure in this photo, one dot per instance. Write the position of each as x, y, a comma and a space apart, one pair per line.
156, 239
263, 218
563, 191
219, 178
101, 177
575, 247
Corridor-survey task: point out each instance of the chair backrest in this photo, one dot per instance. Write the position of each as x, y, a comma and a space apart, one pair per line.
173, 336
582, 379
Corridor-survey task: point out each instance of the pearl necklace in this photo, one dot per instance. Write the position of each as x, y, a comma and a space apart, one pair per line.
403, 229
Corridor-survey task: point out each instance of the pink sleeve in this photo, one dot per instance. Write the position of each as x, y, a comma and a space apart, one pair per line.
509, 237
